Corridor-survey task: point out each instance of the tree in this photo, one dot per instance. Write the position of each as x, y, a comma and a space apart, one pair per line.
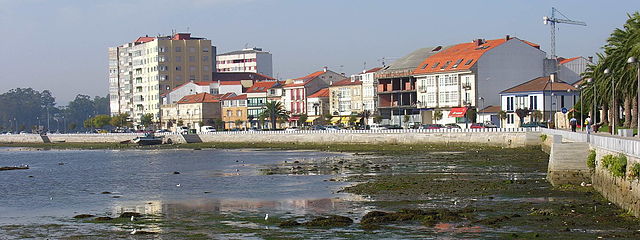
274, 110
437, 115
327, 118
377, 119
522, 113
101, 120
218, 123
471, 115
88, 123
238, 123
365, 115
537, 115
72, 126
302, 120
406, 119
352, 119
146, 120
121, 120
250, 120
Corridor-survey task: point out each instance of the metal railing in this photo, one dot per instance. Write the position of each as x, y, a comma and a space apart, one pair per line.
454, 130
627, 146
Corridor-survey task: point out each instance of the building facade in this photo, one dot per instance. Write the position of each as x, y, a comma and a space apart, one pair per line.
256, 100
246, 60
141, 71
345, 98
318, 106
234, 109
192, 111
369, 89
296, 92
467, 74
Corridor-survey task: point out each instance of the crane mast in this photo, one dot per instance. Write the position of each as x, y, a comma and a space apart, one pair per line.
552, 22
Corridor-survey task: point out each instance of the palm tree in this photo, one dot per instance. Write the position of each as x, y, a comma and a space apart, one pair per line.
274, 111
502, 115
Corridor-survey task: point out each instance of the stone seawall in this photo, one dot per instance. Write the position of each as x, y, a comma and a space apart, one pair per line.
506, 139
623, 191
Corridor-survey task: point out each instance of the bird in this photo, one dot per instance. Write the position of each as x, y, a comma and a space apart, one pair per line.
133, 218
266, 217
178, 185
134, 231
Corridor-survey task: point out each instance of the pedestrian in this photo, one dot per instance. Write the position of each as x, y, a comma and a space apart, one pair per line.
587, 122
574, 123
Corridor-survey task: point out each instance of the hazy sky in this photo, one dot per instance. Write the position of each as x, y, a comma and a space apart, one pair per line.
61, 45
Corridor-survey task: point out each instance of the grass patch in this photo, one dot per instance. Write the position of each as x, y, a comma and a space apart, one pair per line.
635, 170
543, 137
617, 165
591, 159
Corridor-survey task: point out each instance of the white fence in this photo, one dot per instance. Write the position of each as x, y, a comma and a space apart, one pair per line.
453, 130
627, 146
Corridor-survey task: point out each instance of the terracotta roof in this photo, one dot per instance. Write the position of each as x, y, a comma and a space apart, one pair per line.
320, 93
568, 60
199, 98
224, 96
373, 70
310, 76
491, 109
404, 66
237, 76
144, 39
238, 97
540, 84
230, 83
460, 57
259, 87
346, 82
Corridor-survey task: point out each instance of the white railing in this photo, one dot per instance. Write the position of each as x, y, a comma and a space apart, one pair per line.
627, 146
454, 130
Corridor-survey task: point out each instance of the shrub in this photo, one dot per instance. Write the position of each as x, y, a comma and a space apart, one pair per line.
635, 170
543, 137
591, 159
617, 165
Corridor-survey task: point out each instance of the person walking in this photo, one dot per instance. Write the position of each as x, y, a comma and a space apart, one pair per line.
587, 122
574, 123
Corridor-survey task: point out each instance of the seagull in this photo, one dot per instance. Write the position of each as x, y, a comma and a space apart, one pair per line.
134, 231
133, 218
266, 217
178, 185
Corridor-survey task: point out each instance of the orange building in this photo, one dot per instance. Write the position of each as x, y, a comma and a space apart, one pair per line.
234, 112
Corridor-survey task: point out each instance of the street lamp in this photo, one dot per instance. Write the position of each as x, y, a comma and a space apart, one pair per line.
595, 108
613, 102
481, 107
634, 60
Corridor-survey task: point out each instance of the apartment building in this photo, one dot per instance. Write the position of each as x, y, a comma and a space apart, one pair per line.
141, 71
369, 88
318, 106
234, 112
296, 92
246, 60
571, 69
464, 75
191, 111
345, 98
397, 87
256, 100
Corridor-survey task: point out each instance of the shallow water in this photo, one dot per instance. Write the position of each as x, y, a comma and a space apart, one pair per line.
61, 184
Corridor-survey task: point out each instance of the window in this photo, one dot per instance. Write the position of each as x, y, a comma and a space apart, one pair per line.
205, 68
425, 65
205, 49
435, 65
192, 58
178, 58
229, 113
469, 62
162, 49
192, 68
455, 65
562, 101
192, 49
178, 49
205, 77
445, 65
239, 113
509, 103
205, 58
161, 58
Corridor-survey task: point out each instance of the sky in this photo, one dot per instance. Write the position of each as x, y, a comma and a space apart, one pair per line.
62, 45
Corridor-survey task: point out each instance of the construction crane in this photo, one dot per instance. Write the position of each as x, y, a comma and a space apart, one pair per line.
552, 21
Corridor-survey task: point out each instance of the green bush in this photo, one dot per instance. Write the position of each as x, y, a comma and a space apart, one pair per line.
591, 159
543, 137
635, 170
617, 165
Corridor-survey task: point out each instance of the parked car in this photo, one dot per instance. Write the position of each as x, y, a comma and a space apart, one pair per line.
378, 127
162, 131
534, 124
331, 128
207, 129
452, 125
477, 125
253, 129
291, 129
393, 127
488, 124
182, 130
317, 127
431, 126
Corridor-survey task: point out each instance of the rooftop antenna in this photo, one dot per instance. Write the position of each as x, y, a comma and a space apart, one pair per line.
552, 22
246, 45
188, 29
364, 66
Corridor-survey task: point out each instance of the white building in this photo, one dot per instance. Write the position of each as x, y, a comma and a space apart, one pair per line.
246, 60
545, 94
456, 78
369, 89
570, 70
141, 71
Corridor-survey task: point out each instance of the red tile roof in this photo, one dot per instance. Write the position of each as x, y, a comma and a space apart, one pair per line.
541, 84
144, 39
199, 98
238, 97
459, 57
259, 87
310, 76
491, 109
230, 83
320, 93
568, 60
346, 82
373, 70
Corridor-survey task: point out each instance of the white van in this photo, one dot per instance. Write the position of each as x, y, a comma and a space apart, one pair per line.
207, 129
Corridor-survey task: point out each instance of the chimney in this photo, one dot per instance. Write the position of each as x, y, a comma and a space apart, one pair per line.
325, 68
591, 59
507, 37
552, 77
478, 41
353, 79
330, 83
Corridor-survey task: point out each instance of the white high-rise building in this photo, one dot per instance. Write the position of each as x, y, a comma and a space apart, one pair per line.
140, 71
247, 60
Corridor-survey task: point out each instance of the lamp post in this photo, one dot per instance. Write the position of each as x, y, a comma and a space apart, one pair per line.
581, 110
635, 60
481, 108
612, 128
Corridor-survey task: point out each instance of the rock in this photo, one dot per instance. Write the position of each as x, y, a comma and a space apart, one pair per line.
330, 221
83, 216
130, 214
103, 219
289, 223
105, 192
176, 172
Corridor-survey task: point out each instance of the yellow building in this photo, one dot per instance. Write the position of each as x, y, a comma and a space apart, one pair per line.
345, 100
192, 111
234, 109
139, 72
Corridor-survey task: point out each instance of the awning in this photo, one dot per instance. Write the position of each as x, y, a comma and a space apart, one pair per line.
335, 119
311, 119
345, 120
458, 112
294, 118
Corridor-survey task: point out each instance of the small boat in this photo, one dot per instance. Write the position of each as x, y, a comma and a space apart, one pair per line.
148, 139
21, 167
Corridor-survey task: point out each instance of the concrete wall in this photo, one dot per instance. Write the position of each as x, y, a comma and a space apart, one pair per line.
567, 161
21, 138
623, 191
